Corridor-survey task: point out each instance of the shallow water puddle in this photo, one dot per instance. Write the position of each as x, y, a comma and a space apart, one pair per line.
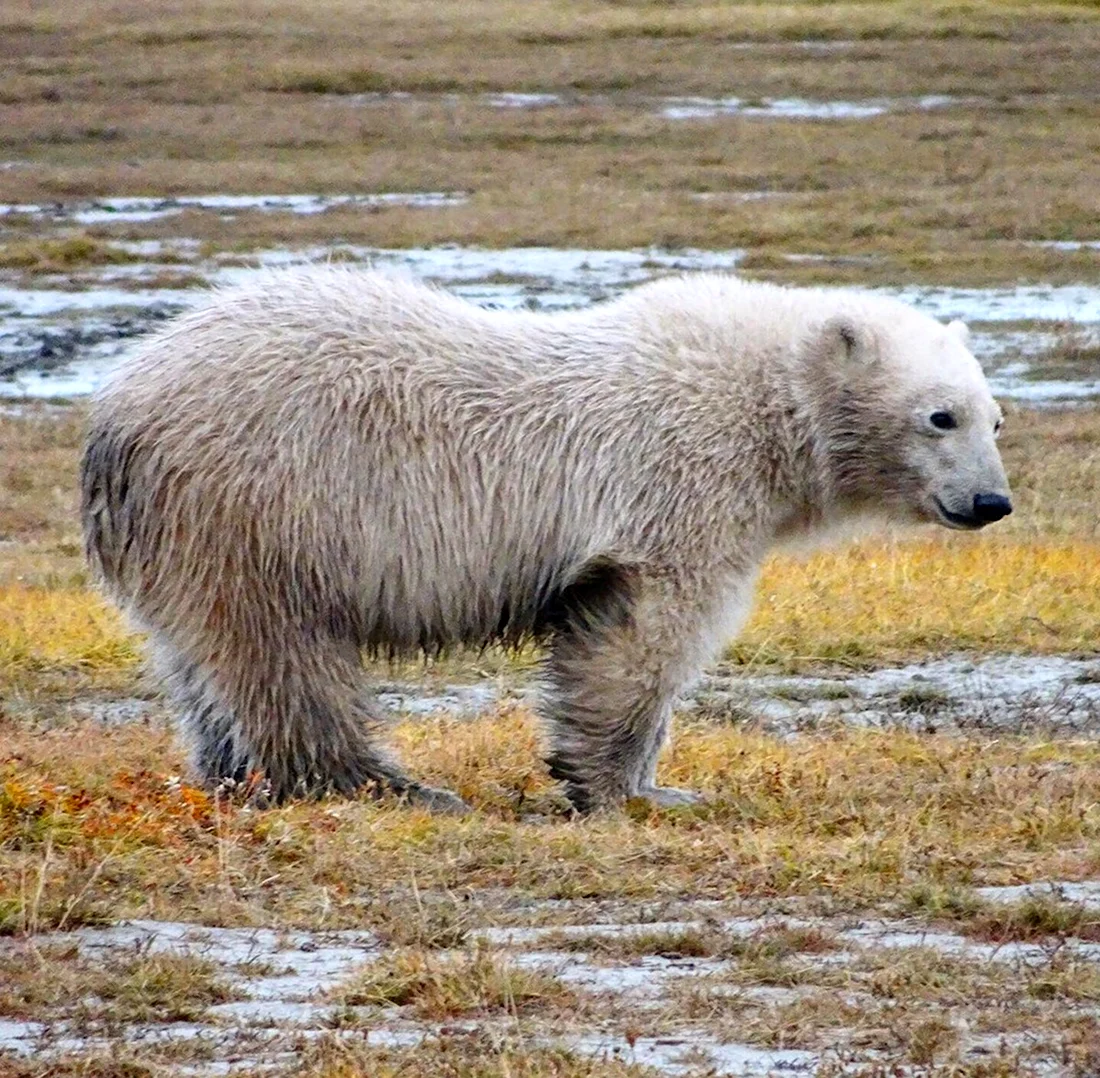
645, 978
18, 1036
739, 196
284, 1006
1023, 365
519, 100
694, 1054
461, 700
647, 974
692, 107
1086, 893
61, 337
1075, 303
799, 108
1005, 692
708, 108
306, 962
1065, 245
294, 967
1012, 693
108, 210
56, 342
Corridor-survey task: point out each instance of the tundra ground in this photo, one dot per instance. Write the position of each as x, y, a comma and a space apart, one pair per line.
988, 125
896, 870
839, 899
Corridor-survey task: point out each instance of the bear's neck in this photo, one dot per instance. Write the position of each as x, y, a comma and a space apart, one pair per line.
783, 456
821, 493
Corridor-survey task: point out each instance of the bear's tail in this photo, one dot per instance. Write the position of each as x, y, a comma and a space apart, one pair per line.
107, 512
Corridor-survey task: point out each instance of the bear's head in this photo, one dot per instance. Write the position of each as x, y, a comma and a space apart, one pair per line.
909, 422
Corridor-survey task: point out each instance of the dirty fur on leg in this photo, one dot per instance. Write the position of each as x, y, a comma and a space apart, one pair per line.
209, 728
312, 730
611, 674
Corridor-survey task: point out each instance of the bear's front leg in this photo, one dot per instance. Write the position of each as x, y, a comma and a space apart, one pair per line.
613, 672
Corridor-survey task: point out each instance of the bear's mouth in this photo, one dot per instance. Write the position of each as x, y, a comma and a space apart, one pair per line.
957, 520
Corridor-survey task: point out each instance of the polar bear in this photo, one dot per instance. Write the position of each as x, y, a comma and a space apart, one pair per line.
334, 460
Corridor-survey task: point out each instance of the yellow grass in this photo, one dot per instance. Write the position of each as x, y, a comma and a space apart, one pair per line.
201, 96
878, 601
42, 627
435, 988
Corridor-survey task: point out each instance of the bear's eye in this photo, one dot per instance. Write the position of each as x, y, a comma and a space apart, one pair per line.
997, 426
943, 421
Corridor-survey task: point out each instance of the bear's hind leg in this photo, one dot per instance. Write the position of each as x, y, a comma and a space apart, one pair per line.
617, 661
302, 710
207, 725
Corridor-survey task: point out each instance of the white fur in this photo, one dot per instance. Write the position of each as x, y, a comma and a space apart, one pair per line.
333, 459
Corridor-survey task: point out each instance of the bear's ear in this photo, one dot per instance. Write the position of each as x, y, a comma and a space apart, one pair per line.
960, 329
845, 339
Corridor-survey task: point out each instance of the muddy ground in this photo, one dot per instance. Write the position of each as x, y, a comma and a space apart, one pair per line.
285, 986
899, 872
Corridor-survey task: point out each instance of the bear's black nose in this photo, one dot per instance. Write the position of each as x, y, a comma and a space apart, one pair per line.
991, 507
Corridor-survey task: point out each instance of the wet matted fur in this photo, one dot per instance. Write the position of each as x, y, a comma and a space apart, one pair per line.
334, 460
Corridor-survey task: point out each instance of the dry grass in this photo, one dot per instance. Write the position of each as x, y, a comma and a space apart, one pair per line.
60, 255
1032, 919
92, 819
38, 494
208, 53
774, 943
455, 1054
475, 983
910, 1005
196, 98
1074, 354
111, 1064
452, 1054
879, 602
55, 983
95, 822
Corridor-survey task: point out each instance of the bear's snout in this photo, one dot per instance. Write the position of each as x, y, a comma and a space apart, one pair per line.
991, 507
985, 508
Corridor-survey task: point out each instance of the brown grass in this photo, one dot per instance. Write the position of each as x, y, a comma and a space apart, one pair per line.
1074, 354
1033, 919
851, 821
54, 983
194, 98
455, 1054
475, 983
910, 1006
208, 53
774, 943
60, 255
91, 819
95, 822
